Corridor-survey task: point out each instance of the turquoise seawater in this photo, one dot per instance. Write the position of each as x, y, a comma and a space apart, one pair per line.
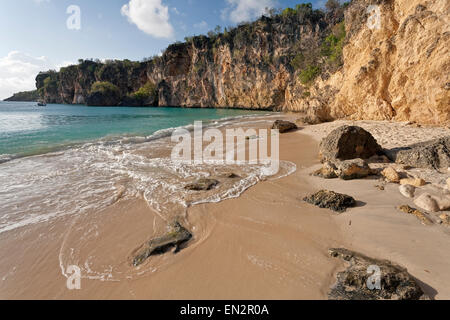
66, 161
26, 129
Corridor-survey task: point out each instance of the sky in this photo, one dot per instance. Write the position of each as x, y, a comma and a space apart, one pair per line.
38, 35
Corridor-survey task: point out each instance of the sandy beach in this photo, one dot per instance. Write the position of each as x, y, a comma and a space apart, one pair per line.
265, 244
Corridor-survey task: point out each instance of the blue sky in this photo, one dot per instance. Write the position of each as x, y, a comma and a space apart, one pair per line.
35, 35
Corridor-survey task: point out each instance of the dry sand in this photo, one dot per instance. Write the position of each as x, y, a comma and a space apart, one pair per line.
267, 244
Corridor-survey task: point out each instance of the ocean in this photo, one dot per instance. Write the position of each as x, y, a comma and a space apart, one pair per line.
64, 160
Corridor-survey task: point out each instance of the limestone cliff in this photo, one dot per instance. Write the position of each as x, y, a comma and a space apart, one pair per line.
371, 59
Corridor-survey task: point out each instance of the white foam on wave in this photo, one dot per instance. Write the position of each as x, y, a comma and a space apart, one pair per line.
92, 176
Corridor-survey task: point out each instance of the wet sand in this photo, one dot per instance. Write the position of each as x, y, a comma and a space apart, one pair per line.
266, 244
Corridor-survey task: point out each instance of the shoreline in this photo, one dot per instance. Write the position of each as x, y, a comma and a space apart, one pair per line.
265, 244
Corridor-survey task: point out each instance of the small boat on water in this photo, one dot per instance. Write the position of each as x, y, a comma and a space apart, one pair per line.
41, 104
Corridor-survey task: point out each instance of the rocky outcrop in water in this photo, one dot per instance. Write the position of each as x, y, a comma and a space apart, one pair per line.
176, 236
359, 280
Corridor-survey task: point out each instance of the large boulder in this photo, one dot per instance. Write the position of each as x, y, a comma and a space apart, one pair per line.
349, 142
331, 200
175, 237
284, 126
359, 280
433, 154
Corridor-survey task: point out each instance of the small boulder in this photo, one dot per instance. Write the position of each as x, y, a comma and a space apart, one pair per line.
349, 142
175, 237
413, 182
419, 214
391, 175
352, 169
284, 126
407, 190
427, 202
203, 184
354, 283
328, 199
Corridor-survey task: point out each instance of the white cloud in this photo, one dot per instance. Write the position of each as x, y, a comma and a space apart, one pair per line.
245, 10
201, 25
18, 72
150, 16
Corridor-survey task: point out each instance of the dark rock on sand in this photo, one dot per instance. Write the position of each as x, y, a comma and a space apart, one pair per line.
352, 284
203, 184
284, 126
329, 199
176, 236
349, 142
433, 154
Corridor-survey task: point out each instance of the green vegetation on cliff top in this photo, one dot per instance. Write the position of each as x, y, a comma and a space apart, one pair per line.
124, 76
104, 87
25, 96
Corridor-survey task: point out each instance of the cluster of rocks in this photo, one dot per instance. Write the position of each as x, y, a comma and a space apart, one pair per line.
347, 151
409, 188
358, 283
344, 153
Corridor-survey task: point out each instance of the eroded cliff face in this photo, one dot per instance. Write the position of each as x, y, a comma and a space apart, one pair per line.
395, 69
248, 69
401, 69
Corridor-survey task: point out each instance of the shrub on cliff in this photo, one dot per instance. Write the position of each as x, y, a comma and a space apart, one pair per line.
104, 87
333, 45
146, 95
103, 94
309, 74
